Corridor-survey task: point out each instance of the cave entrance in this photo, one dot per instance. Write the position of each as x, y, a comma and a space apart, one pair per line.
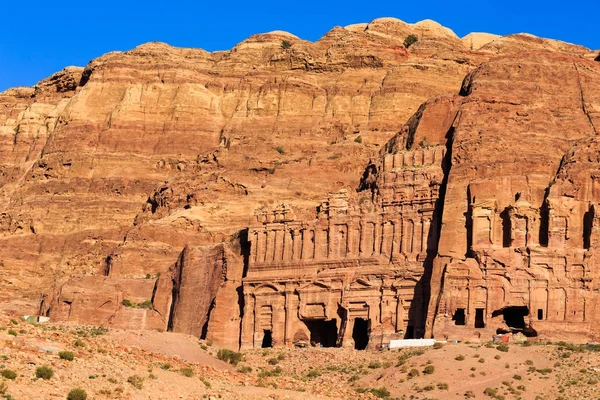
410, 332
360, 333
459, 316
514, 316
323, 333
479, 322
267, 339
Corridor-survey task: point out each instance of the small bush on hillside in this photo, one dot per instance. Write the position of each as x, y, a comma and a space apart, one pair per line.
66, 355
410, 40
285, 44
442, 386
79, 343
413, 373
459, 357
136, 381
8, 374
429, 369
3, 387
502, 347
127, 303
358, 139
381, 393
438, 345
229, 356
44, 372
187, 372
12, 332
77, 394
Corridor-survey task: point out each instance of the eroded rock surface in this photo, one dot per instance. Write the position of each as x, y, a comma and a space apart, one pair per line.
149, 166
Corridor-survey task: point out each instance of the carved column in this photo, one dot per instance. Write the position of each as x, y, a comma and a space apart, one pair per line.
396, 237
261, 244
287, 244
287, 338
378, 236
362, 238
399, 313
297, 244
248, 321
426, 228
279, 243
353, 239
307, 244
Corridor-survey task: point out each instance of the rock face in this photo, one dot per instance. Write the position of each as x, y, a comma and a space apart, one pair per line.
137, 179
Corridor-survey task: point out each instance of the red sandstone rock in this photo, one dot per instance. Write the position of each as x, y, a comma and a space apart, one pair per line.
151, 155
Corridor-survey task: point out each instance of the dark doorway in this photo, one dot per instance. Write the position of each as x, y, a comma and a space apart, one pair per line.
513, 316
544, 217
506, 228
410, 332
588, 223
267, 339
360, 333
540, 314
479, 322
459, 317
322, 333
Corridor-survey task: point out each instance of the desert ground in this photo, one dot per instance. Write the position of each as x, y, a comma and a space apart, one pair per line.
119, 364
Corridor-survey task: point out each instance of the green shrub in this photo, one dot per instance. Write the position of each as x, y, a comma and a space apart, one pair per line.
285, 44
459, 357
245, 369
145, 304
273, 361
66, 355
410, 40
374, 364
12, 332
136, 381
165, 366
517, 377
502, 347
381, 393
438, 345
79, 343
413, 373
187, 372
442, 386
8, 374
358, 139
77, 394
3, 387
313, 373
280, 149
429, 369
127, 303
44, 372
229, 356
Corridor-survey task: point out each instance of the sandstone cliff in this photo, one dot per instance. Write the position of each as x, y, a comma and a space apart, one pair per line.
116, 171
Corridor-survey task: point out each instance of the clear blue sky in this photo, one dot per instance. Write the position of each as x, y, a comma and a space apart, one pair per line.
39, 37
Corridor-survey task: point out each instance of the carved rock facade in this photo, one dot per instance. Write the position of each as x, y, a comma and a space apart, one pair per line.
355, 275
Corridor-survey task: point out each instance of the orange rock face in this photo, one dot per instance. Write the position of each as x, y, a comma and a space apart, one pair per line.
137, 178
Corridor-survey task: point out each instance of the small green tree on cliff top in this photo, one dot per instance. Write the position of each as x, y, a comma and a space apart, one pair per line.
410, 40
